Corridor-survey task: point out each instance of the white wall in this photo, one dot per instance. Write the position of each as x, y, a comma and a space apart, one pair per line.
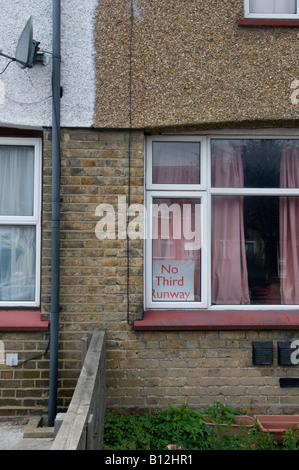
25, 94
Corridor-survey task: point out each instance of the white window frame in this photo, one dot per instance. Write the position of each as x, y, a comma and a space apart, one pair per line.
247, 13
177, 191
169, 187
206, 194
204, 252
33, 220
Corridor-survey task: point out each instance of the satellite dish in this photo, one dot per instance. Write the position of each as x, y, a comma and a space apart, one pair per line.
27, 49
27, 54
24, 48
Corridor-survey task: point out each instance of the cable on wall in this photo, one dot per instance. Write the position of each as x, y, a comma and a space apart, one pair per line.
6, 67
129, 157
24, 103
35, 357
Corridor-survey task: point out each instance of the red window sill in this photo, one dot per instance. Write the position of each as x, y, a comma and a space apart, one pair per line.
266, 22
22, 320
218, 320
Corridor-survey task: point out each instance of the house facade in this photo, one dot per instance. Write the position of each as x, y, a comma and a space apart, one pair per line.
178, 211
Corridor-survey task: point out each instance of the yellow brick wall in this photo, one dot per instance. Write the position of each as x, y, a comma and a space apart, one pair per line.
93, 272
144, 369
24, 388
154, 369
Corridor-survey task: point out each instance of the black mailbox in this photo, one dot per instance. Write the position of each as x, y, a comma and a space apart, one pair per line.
284, 352
262, 352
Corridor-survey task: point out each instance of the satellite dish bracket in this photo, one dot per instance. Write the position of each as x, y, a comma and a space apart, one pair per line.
35, 57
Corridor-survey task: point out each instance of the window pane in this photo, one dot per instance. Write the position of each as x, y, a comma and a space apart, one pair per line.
17, 263
16, 180
272, 6
176, 234
255, 250
229, 270
261, 225
255, 163
176, 163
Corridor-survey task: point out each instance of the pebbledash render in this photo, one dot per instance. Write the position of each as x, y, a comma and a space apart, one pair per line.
179, 205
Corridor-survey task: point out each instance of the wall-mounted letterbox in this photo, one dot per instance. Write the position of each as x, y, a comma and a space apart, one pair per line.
289, 382
262, 352
284, 352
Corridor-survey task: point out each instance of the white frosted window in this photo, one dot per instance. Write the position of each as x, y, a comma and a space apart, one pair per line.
19, 221
275, 9
16, 180
17, 260
272, 6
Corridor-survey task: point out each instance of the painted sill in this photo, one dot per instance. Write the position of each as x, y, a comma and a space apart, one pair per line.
218, 320
22, 320
266, 22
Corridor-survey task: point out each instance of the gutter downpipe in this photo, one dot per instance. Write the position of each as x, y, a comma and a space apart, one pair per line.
55, 269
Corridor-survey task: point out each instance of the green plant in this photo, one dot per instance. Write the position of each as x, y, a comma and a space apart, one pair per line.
186, 428
290, 440
251, 440
130, 432
220, 413
156, 430
263, 440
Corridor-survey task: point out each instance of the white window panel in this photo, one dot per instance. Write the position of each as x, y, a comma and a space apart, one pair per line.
276, 9
20, 221
186, 154
176, 262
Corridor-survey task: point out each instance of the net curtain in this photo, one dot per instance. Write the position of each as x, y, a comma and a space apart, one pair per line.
17, 242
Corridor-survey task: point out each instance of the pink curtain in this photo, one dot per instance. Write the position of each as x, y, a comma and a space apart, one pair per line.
289, 228
176, 163
229, 267
172, 174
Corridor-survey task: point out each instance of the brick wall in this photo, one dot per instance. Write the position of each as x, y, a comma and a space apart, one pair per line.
144, 369
199, 367
24, 388
93, 294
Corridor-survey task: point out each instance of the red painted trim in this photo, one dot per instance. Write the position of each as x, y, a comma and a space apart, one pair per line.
22, 320
266, 22
218, 320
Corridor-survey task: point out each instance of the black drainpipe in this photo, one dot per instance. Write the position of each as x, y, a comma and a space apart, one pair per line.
54, 321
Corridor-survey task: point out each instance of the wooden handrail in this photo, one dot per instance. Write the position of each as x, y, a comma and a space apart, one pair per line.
83, 425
